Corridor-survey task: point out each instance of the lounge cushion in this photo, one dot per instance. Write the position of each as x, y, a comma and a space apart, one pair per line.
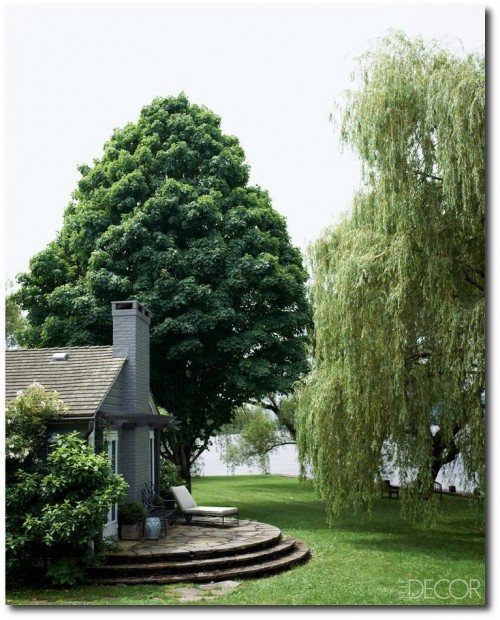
211, 510
183, 497
187, 504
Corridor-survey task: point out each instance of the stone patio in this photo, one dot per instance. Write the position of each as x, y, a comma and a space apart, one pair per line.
195, 553
184, 541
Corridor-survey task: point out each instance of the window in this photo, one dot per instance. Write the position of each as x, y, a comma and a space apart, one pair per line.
152, 459
112, 440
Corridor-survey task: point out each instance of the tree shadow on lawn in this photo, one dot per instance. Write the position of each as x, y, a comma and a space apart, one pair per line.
294, 506
452, 547
454, 536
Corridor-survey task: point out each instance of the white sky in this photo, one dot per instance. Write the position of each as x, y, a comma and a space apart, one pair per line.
272, 72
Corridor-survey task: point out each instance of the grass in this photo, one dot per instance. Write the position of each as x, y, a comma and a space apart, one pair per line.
377, 561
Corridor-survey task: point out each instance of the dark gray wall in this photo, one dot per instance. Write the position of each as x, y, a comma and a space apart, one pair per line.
113, 403
133, 459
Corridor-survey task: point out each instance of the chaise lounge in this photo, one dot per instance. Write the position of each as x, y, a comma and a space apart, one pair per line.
189, 509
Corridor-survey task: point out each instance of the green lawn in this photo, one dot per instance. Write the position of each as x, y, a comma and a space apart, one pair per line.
381, 560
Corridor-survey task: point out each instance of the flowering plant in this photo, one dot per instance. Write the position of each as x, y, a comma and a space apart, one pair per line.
27, 419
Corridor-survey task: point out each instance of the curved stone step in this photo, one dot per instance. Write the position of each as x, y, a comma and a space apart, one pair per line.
186, 542
298, 553
170, 566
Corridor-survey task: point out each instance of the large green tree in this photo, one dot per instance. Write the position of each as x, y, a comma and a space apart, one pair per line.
14, 320
166, 216
398, 286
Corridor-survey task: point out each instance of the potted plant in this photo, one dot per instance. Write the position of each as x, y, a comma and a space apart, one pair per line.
130, 517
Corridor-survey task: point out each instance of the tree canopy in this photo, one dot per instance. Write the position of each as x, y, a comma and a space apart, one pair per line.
166, 216
14, 320
398, 285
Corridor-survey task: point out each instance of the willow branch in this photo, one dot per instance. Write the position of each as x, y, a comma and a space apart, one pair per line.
277, 445
471, 280
427, 175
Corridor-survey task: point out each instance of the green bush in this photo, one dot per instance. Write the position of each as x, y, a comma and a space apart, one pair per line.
170, 476
65, 573
130, 512
56, 504
27, 419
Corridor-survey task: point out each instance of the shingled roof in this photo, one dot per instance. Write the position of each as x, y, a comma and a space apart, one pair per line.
82, 380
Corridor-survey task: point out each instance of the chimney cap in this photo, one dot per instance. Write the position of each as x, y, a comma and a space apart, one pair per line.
118, 307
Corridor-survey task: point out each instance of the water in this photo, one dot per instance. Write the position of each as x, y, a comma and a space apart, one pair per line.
284, 461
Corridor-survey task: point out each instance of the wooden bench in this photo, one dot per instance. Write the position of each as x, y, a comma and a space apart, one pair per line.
389, 490
438, 488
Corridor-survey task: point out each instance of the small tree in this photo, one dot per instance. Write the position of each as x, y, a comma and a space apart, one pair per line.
256, 430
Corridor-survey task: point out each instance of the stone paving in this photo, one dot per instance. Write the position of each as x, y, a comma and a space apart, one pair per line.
208, 554
206, 591
187, 540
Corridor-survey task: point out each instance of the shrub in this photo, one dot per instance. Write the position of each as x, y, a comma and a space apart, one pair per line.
65, 573
60, 509
27, 419
170, 476
130, 512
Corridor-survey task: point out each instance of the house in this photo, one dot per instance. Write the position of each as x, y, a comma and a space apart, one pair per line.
107, 391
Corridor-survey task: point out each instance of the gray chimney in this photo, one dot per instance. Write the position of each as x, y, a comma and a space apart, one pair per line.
131, 340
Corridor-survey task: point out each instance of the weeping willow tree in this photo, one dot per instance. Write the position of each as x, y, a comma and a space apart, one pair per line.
398, 285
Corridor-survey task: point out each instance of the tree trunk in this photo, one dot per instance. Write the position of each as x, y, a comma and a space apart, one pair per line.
184, 463
436, 468
442, 453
